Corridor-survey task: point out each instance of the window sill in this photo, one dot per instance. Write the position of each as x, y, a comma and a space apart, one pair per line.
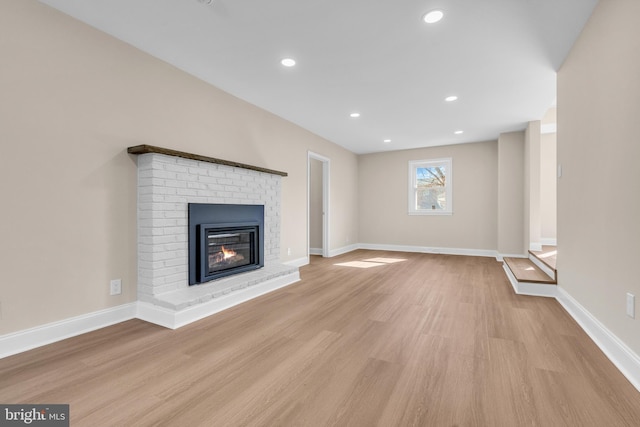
438, 213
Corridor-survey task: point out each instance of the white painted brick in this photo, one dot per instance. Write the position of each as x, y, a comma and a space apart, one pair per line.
173, 167
224, 181
198, 199
165, 185
187, 192
177, 262
196, 185
176, 184
216, 173
197, 171
164, 288
207, 179
177, 278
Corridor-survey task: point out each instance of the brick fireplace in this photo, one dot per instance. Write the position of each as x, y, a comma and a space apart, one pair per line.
168, 181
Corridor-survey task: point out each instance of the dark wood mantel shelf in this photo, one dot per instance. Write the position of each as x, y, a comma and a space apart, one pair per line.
146, 149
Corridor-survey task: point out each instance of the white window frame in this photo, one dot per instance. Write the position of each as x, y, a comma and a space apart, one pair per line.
413, 185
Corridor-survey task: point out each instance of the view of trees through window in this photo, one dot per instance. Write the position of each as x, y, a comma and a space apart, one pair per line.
431, 188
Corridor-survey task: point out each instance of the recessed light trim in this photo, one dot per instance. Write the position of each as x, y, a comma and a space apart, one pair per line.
386, 141
459, 132
354, 115
451, 98
288, 62
433, 16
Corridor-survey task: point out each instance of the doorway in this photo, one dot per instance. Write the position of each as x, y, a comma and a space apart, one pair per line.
318, 168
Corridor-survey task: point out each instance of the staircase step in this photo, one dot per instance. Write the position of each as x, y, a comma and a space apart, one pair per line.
546, 260
524, 270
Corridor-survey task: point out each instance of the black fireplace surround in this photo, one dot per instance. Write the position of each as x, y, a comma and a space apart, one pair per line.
224, 240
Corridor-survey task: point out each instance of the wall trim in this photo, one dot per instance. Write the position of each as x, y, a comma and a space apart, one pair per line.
49, 333
299, 262
175, 319
528, 288
549, 241
430, 250
315, 251
535, 246
548, 128
343, 250
501, 257
627, 362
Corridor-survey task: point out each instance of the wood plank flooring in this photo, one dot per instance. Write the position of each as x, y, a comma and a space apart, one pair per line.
433, 340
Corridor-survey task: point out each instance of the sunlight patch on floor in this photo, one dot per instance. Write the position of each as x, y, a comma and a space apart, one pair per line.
360, 264
371, 262
548, 254
385, 260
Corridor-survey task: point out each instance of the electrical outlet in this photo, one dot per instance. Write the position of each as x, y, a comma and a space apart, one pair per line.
631, 305
288, 251
115, 286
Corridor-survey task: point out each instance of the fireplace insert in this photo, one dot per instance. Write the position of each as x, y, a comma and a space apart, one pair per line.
224, 240
225, 249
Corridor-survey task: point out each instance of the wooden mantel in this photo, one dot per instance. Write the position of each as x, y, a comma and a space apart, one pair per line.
147, 149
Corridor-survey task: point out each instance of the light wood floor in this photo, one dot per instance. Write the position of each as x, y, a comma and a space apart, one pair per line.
434, 340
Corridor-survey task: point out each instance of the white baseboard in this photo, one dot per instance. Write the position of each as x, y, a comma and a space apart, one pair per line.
535, 246
315, 251
300, 262
549, 241
175, 319
501, 257
617, 351
28, 339
531, 289
430, 250
343, 250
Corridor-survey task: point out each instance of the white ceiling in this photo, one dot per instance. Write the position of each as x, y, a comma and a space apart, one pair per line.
378, 58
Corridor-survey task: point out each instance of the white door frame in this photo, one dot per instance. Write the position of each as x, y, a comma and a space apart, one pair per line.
326, 168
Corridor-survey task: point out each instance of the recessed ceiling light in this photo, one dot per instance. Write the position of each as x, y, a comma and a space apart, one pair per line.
459, 132
386, 141
288, 62
354, 115
433, 16
451, 98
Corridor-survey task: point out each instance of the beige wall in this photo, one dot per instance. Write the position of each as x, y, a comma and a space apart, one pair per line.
72, 100
548, 173
598, 148
510, 195
383, 179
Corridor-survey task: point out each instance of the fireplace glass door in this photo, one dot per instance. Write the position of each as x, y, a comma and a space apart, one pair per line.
226, 250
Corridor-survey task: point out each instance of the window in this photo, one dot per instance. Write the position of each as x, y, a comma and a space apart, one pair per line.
430, 187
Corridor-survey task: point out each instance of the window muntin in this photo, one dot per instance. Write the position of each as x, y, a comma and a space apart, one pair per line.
430, 185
